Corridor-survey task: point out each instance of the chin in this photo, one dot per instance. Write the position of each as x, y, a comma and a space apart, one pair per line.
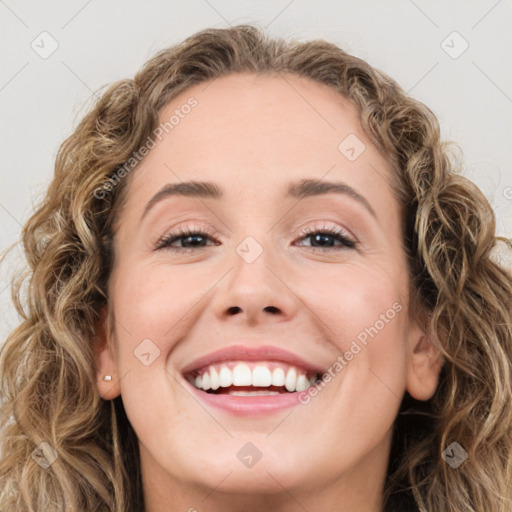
268, 475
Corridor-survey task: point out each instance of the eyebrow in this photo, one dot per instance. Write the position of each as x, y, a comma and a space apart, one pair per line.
304, 188
315, 187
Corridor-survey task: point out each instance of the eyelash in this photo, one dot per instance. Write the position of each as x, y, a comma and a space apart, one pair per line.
346, 242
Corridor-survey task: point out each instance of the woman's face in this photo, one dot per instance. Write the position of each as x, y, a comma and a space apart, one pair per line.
252, 282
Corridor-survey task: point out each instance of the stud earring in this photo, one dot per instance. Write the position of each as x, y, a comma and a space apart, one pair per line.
107, 378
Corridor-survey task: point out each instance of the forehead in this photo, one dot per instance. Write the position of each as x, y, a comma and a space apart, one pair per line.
257, 133
266, 113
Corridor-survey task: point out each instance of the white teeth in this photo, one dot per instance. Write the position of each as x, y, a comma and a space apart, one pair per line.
252, 393
206, 381
225, 377
294, 380
291, 380
278, 377
214, 378
301, 383
261, 377
242, 375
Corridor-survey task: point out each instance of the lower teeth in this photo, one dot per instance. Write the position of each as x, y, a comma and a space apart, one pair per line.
252, 393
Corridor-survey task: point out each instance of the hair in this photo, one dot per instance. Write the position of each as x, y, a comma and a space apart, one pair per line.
464, 296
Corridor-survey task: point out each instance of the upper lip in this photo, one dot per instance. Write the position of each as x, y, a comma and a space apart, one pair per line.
249, 353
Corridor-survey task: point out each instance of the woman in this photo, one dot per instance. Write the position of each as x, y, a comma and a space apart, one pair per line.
257, 281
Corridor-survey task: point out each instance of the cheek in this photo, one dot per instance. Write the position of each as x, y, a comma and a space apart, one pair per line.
364, 314
151, 300
151, 308
356, 302
156, 307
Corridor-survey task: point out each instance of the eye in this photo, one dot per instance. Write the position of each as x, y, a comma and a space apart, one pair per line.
188, 238
326, 237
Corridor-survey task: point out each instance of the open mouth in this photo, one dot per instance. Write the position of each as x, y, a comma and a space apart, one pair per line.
241, 378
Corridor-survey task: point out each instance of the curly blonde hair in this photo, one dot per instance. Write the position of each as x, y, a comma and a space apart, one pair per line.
47, 366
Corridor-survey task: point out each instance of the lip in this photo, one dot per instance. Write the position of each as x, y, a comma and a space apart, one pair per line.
247, 353
249, 405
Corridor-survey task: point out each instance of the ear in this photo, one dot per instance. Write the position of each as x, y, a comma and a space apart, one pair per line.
104, 356
424, 364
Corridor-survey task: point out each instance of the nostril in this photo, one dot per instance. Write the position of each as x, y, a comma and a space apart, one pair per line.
272, 309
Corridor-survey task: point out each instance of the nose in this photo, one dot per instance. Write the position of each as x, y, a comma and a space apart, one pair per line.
255, 293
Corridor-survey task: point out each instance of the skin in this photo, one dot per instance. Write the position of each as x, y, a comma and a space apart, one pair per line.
252, 136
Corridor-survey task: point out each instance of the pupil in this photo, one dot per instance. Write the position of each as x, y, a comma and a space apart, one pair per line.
322, 238
194, 239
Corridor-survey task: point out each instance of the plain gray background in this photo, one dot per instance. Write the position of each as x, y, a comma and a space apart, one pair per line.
56, 54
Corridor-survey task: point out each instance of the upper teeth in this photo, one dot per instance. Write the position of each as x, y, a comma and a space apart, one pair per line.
261, 376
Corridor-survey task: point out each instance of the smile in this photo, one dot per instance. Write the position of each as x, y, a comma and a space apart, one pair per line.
240, 378
245, 380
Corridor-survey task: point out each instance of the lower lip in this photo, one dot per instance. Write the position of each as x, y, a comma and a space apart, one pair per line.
247, 405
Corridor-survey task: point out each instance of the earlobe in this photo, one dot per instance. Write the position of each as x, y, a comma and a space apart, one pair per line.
423, 367
107, 381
